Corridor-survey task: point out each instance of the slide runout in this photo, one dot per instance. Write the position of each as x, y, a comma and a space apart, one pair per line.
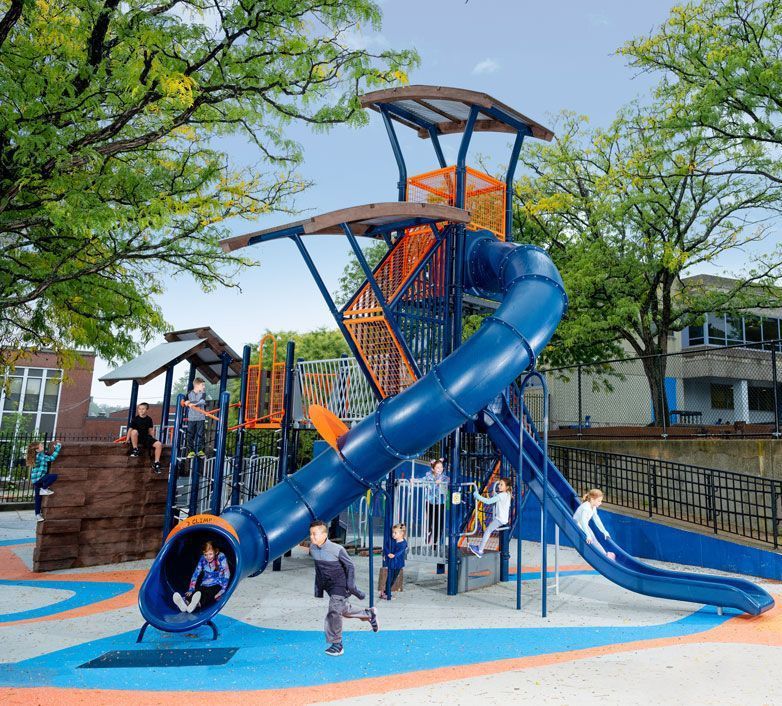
626, 570
453, 392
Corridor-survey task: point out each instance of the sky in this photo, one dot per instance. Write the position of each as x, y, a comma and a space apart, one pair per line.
537, 57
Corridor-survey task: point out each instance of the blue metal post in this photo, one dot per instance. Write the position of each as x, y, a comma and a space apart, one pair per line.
225, 361
371, 541
544, 505
133, 402
173, 469
514, 160
239, 451
191, 376
164, 414
400, 160
222, 432
518, 521
437, 149
453, 537
287, 423
505, 554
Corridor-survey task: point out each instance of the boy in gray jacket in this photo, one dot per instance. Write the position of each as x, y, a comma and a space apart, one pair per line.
335, 574
195, 418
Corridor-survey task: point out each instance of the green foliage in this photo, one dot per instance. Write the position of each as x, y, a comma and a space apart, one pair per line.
625, 213
720, 63
320, 344
112, 179
352, 276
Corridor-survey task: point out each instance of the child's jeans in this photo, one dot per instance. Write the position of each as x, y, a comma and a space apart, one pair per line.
195, 435
494, 525
339, 607
44, 482
391, 575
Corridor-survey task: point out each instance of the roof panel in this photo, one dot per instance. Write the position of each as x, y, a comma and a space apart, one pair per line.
153, 362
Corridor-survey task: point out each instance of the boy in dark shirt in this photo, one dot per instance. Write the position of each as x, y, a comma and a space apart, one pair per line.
140, 434
335, 574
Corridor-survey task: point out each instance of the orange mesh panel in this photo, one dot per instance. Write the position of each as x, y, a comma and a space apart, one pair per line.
253, 396
484, 196
493, 544
381, 352
276, 393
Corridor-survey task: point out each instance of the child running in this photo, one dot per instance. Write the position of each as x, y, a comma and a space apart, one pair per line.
395, 557
213, 566
587, 511
39, 461
501, 513
335, 574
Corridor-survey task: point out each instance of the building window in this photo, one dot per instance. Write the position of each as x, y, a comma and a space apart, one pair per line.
695, 335
721, 396
753, 331
761, 399
770, 331
29, 401
735, 330
716, 330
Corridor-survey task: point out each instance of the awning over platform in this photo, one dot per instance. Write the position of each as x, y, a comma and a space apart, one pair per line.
200, 346
446, 111
369, 220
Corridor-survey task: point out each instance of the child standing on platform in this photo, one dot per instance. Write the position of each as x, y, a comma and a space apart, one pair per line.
335, 574
39, 461
196, 420
395, 557
214, 572
501, 500
587, 511
436, 484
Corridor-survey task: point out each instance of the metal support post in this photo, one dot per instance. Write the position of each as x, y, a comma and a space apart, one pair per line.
190, 377
663, 401
580, 408
173, 469
133, 402
219, 462
285, 428
240, 432
514, 159
556, 559
225, 361
164, 413
775, 384
453, 537
371, 542
397, 150
518, 523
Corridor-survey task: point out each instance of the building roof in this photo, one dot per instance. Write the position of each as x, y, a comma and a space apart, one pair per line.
371, 220
446, 110
199, 346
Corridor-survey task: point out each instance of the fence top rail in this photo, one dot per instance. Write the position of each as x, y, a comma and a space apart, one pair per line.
664, 462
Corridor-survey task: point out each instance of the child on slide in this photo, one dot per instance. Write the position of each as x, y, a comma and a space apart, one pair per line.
501, 500
587, 511
214, 572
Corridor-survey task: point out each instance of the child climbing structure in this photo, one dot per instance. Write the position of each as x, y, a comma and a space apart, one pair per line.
446, 239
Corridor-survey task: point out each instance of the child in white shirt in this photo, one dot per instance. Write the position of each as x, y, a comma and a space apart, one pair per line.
588, 511
501, 501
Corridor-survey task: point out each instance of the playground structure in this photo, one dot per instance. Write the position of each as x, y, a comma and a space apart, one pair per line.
413, 388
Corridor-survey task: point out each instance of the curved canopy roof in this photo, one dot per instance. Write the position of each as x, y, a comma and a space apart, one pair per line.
445, 110
370, 220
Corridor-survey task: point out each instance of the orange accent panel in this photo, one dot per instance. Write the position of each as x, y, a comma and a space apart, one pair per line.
494, 542
484, 196
327, 424
202, 520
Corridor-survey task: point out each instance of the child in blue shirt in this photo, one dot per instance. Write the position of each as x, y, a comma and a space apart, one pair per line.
214, 571
39, 461
394, 552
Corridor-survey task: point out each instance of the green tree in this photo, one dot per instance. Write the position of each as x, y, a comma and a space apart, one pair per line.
352, 276
720, 64
113, 175
624, 213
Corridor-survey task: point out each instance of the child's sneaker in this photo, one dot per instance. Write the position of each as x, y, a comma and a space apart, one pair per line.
46, 491
474, 549
39, 517
201, 454
135, 453
156, 467
191, 454
194, 602
335, 650
180, 603
373, 619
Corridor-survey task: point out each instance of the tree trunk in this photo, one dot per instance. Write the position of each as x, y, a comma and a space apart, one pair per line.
654, 369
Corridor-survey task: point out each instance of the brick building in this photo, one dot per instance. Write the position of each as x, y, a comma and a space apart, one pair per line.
111, 425
39, 396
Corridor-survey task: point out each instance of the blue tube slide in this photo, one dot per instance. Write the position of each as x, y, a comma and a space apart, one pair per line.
626, 571
254, 534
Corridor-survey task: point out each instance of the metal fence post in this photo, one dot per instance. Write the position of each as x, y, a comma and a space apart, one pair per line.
775, 386
713, 499
173, 468
774, 514
580, 409
663, 404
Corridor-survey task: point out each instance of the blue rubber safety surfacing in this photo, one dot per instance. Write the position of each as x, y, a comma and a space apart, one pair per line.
137, 659
278, 659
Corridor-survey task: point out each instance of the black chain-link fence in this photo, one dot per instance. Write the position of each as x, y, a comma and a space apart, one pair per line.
700, 390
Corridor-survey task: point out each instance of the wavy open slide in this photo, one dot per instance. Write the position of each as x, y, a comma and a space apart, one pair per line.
456, 390
626, 571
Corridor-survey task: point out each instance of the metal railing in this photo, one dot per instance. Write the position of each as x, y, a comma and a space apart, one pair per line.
427, 523
723, 501
339, 385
